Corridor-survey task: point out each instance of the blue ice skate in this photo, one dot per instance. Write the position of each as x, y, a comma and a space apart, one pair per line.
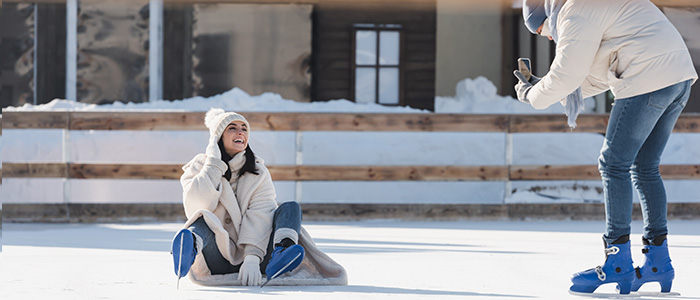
616, 269
283, 260
657, 267
184, 251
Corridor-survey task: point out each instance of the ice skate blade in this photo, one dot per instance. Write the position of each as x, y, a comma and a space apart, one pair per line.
179, 266
605, 295
280, 271
657, 294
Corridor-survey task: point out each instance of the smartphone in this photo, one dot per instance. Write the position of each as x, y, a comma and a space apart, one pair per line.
525, 67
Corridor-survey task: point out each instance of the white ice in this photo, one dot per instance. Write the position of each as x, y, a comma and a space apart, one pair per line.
384, 260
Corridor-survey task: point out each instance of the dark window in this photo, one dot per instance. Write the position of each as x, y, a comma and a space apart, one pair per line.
377, 64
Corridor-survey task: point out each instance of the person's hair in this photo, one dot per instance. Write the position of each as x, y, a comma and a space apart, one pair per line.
248, 165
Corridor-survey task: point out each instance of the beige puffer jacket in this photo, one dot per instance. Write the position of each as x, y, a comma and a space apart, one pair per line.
626, 46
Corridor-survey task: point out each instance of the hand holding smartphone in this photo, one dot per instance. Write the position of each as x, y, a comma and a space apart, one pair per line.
524, 67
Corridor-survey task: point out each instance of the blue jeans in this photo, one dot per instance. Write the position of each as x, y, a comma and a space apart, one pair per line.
287, 215
636, 136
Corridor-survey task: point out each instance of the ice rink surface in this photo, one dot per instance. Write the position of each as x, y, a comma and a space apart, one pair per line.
384, 260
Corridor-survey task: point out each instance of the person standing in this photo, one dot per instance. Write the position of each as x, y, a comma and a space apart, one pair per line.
630, 48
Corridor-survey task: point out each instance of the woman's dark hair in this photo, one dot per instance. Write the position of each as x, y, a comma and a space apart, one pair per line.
248, 165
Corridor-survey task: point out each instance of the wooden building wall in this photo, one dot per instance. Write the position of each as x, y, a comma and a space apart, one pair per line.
210, 48
112, 51
21, 26
17, 54
331, 58
333, 46
177, 51
51, 52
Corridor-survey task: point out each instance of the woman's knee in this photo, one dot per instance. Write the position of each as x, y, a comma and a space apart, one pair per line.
201, 228
290, 208
608, 163
291, 205
645, 171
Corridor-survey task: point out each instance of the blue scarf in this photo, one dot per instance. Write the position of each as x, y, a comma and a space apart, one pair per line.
574, 101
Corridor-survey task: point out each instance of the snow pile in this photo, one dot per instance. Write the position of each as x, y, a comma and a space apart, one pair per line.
233, 100
479, 96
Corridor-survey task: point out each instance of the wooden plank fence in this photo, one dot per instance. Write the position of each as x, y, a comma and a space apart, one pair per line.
591, 123
184, 121
335, 173
595, 123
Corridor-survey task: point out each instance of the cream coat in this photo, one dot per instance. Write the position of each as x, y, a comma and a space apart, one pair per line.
240, 214
626, 46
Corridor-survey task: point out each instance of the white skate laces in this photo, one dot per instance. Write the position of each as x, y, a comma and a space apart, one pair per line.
601, 274
611, 251
599, 269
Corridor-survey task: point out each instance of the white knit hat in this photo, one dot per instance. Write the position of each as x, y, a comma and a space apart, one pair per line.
217, 120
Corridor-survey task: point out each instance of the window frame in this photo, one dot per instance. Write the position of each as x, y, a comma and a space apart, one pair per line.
378, 28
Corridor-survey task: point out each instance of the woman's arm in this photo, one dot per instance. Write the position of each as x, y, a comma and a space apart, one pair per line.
578, 44
201, 183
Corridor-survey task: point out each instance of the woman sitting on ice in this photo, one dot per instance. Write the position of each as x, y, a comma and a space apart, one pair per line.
235, 230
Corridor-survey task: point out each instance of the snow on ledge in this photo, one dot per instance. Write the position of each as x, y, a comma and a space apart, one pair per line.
233, 100
477, 95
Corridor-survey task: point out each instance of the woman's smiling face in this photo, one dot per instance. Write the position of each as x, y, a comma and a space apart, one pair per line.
235, 137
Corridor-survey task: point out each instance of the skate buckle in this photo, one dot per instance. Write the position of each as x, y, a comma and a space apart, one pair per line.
601, 274
612, 250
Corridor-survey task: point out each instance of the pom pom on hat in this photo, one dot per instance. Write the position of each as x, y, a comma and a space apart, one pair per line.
533, 14
217, 120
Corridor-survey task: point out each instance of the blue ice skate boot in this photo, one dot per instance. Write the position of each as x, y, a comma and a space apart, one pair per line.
184, 251
657, 266
617, 268
283, 260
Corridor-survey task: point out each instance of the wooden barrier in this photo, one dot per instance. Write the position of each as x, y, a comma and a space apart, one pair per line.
258, 121
174, 212
129, 120
677, 3
687, 123
183, 121
336, 173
